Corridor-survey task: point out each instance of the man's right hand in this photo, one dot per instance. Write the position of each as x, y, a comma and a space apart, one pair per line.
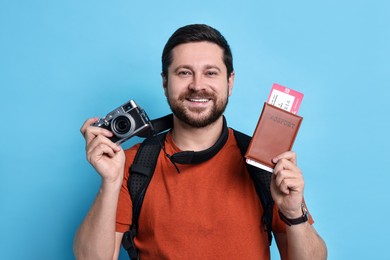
105, 156
96, 237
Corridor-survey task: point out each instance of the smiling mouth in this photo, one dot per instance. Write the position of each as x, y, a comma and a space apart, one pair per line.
198, 100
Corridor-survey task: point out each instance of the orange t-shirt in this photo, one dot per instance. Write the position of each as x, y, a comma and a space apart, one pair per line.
207, 211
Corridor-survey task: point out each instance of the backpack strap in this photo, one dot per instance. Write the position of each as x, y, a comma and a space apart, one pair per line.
262, 181
141, 172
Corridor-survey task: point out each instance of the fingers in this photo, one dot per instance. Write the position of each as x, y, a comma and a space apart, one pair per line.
288, 177
101, 145
290, 155
97, 141
90, 132
87, 123
101, 152
287, 184
105, 156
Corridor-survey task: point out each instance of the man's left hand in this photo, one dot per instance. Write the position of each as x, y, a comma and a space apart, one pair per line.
287, 185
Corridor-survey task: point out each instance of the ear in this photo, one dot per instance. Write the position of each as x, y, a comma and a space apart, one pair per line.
231, 83
164, 83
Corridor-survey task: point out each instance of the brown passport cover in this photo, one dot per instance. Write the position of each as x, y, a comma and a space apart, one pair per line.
274, 134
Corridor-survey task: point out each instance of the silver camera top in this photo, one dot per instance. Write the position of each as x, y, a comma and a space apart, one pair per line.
120, 110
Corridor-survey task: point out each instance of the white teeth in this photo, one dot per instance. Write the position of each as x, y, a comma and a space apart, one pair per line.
203, 100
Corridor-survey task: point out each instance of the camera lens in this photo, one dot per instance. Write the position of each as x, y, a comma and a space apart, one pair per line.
121, 125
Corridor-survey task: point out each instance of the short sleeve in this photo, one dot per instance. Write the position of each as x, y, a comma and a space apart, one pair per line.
124, 209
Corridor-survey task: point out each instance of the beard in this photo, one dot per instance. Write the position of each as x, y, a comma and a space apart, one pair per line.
198, 117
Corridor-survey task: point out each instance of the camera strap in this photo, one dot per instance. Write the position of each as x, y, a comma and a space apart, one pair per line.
158, 125
165, 123
192, 157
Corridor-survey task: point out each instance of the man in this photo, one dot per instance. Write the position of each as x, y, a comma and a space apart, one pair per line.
210, 210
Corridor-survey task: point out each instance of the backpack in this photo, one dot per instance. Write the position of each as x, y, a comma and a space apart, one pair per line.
142, 170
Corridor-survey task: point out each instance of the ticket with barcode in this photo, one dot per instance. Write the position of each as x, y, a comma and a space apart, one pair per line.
285, 98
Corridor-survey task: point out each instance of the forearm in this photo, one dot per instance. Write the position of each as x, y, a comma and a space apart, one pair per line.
303, 242
95, 238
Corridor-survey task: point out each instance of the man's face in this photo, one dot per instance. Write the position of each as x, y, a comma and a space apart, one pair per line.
197, 85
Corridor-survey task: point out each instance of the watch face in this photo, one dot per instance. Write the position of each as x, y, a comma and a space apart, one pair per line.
304, 209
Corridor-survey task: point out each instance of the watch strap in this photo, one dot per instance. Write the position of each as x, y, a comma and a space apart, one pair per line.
295, 221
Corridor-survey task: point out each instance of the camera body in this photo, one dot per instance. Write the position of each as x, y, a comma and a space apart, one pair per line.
125, 122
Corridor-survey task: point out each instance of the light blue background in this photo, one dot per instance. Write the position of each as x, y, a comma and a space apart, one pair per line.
64, 61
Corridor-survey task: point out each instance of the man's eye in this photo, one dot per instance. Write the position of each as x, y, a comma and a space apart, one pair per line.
211, 73
184, 73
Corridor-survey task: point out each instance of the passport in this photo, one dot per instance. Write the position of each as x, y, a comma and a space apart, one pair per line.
274, 134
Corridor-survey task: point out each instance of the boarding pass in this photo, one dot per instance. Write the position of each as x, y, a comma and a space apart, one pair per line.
285, 98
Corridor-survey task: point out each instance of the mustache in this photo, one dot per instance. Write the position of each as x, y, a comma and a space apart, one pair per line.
197, 94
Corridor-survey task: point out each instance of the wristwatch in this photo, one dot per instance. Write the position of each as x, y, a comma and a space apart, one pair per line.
296, 221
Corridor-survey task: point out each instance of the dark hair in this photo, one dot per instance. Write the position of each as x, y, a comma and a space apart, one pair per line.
196, 33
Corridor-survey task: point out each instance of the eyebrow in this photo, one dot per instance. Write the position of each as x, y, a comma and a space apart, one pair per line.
190, 67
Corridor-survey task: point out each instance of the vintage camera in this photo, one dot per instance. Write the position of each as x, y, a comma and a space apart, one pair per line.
125, 122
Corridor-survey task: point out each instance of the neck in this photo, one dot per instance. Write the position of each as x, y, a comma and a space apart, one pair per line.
189, 138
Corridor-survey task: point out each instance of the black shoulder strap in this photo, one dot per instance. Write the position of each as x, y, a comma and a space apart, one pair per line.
262, 181
141, 172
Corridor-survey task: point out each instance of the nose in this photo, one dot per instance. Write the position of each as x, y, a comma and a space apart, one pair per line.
197, 83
